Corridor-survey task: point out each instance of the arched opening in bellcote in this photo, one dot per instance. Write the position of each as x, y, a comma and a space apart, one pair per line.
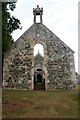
38, 12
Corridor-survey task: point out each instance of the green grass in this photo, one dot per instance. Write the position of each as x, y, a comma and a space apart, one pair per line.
40, 104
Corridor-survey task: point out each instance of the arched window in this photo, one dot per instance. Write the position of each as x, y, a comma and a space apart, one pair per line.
38, 48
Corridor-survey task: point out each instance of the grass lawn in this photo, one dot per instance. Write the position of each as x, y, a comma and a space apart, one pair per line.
40, 104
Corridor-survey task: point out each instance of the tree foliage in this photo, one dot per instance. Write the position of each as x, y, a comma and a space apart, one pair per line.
9, 24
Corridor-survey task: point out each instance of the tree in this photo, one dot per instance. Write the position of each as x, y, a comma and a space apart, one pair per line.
9, 24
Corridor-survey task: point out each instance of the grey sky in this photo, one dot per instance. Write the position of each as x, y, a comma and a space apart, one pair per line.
60, 16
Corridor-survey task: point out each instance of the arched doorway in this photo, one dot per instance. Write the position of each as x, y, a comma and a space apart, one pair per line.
39, 78
39, 82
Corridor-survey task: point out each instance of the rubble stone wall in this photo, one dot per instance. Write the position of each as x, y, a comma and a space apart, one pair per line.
18, 70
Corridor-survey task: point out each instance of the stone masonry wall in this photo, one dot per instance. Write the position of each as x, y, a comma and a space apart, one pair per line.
59, 60
18, 64
60, 64
18, 70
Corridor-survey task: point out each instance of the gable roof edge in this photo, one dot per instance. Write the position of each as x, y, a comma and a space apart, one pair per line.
59, 39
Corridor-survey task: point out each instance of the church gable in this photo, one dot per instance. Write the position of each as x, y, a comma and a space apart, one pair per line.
38, 61
38, 57
54, 70
40, 33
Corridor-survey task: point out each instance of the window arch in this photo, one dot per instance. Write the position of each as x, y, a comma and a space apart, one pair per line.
38, 48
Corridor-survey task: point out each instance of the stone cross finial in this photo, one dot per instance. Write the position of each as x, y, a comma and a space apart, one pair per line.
37, 11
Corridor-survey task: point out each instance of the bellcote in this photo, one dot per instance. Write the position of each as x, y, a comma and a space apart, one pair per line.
37, 11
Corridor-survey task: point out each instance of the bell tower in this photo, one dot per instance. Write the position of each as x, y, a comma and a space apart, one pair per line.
37, 11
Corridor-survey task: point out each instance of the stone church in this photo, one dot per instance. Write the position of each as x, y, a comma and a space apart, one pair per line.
54, 70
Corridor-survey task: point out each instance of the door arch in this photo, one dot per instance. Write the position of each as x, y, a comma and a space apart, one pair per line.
39, 82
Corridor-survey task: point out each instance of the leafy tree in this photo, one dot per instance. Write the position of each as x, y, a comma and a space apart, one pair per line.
9, 24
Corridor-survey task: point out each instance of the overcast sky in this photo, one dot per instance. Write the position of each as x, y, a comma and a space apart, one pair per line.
60, 16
